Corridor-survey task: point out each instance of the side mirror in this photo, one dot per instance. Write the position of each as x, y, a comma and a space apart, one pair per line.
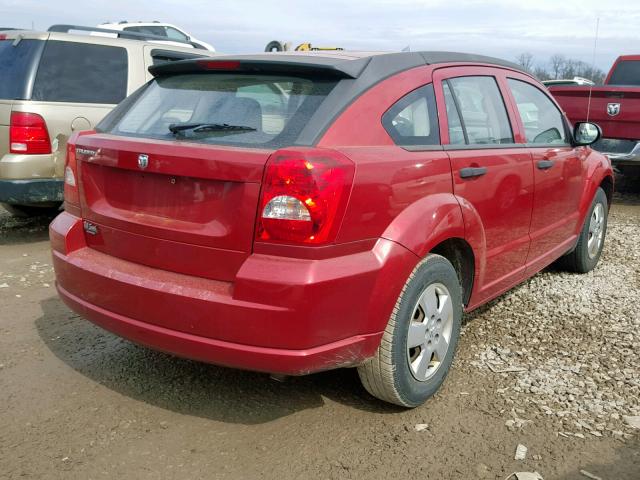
586, 133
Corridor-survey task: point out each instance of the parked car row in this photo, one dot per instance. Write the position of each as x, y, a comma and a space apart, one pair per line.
54, 83
292, 213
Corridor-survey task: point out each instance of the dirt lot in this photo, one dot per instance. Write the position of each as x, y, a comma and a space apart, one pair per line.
79, 403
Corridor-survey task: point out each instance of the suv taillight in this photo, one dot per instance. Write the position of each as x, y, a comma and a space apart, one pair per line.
28, 134
304, 196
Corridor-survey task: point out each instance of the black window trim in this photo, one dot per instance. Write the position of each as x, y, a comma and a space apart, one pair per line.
456, 103
479, 146
427, 92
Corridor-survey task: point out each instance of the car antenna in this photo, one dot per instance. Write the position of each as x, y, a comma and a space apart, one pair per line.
593, 66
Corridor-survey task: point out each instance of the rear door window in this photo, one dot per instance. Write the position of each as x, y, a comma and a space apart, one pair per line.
220, 108
413, 120
148, 29
543, 123
481, 111
81, 73
174, 34
17, 64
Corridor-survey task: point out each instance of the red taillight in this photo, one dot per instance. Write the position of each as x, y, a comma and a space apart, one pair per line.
304, 195
219, 64
28, 134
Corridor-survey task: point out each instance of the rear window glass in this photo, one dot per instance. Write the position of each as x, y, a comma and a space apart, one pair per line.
16, 64
413, 120
233, 109
81, 73
626, 73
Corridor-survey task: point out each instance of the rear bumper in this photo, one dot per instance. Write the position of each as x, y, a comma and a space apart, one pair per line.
281, 315
620, 152
31, 191
271, 360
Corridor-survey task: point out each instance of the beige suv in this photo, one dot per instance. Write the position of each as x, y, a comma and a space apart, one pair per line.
53, 83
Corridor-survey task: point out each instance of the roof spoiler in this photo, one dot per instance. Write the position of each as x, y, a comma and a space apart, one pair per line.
301, 65
63, 28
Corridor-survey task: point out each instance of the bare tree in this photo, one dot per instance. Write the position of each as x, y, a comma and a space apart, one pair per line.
560, 67
525, 60
541, 73
556, 61
569, 69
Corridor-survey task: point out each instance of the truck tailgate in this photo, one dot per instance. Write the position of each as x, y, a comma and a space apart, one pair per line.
615, 109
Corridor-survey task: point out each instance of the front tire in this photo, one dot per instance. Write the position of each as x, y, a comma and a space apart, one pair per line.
419, 343
585, 256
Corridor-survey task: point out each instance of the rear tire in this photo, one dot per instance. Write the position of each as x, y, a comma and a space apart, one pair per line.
26, 211
419, 343
585, 256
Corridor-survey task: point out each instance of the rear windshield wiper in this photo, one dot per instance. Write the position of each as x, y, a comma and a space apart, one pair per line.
177, 128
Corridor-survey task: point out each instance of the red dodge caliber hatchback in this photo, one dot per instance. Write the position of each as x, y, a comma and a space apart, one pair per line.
291, 213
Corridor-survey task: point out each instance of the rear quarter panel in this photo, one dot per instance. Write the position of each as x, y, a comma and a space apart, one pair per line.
5, 118
391, 183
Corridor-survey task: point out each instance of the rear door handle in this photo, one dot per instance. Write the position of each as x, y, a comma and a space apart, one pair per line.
471, 172
545, 164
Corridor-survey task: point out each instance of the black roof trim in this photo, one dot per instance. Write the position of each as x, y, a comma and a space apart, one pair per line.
286, 64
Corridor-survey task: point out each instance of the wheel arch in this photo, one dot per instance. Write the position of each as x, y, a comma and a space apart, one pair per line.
446, 225
460, 254
607, 185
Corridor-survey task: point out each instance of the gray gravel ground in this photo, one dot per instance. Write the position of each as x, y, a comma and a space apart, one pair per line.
574, 341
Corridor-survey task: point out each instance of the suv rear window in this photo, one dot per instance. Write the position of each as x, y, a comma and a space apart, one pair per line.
81, 73
232, 109
17, 62
627, 72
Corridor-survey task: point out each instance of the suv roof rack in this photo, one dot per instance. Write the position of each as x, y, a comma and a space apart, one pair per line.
63, 28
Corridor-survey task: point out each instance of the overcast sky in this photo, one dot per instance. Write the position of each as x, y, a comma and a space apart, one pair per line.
493, 27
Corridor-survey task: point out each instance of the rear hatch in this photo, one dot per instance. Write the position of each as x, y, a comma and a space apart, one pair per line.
19, 56
615, 109
172, 178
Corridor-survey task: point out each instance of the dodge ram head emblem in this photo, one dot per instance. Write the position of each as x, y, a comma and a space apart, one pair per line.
143, 161
613, 109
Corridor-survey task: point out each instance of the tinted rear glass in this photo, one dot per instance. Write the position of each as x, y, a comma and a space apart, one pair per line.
17, 62
81, 73
626, 73
231, 109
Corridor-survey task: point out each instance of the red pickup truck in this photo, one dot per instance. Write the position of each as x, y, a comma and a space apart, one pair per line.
615, 107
